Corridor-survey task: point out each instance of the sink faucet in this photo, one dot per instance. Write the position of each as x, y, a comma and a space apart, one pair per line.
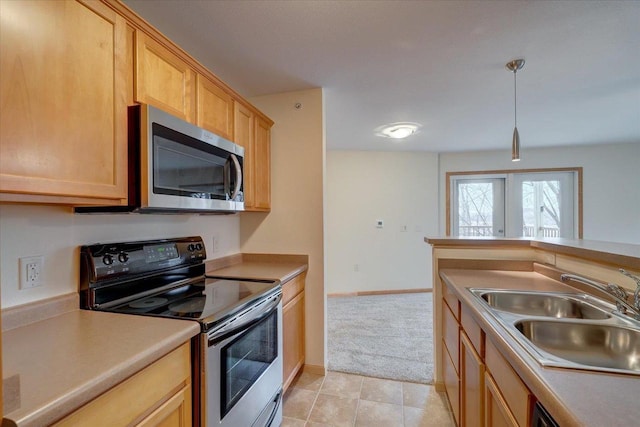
617, 292
636, 294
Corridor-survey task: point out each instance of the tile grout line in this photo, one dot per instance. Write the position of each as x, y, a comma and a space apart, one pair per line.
402, 401
355, 418
315, 399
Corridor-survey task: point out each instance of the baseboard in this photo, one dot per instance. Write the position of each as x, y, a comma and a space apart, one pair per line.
315, 369
440, 386
385, 292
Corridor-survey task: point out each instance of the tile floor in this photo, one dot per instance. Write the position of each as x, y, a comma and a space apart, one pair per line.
339, 399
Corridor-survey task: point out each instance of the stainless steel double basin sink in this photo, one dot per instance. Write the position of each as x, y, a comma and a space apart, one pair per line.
567, 330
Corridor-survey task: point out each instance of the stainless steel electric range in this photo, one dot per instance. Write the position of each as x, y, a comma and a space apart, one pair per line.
237, 357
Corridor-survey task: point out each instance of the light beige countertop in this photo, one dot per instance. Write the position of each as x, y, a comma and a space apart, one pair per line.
259, 266
619, 254
53, 366
572, 397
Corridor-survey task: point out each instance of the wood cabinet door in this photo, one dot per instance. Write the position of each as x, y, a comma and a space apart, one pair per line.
293, 338
471, 384
63, 106
163, 79
214, 108
244, 134
262, 165
451, 383
175, 412
451, 335
496, 413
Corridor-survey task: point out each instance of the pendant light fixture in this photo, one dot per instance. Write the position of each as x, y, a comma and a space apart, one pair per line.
514, 66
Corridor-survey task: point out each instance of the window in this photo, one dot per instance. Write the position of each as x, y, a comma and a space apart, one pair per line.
533, 203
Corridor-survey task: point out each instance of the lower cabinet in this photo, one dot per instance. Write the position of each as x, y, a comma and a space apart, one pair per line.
451, 383
482, 387
293, 328
472, 371
497, 412
519, 400
159, 395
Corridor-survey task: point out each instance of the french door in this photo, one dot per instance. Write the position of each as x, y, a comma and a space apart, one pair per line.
533, 204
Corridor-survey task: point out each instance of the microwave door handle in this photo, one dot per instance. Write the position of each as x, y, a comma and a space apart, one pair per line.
238, 171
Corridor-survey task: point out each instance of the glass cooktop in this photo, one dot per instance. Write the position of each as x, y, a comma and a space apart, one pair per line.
207, 300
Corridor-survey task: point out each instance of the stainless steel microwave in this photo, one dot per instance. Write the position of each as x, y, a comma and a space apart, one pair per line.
176, 167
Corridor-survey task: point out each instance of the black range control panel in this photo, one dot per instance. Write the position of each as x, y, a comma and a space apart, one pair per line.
105, 262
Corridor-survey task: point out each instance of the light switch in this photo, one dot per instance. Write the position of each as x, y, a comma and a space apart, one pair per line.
379, 223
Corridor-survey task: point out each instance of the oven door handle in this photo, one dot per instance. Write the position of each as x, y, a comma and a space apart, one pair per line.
222, 333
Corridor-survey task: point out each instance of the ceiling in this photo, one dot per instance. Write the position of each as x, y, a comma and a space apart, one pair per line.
437, 63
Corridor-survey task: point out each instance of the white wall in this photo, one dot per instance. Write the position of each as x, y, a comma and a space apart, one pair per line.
399, 188
56, 233
295, 223
611, 183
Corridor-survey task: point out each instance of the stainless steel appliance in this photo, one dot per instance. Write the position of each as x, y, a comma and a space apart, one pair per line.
177, 167
237, 365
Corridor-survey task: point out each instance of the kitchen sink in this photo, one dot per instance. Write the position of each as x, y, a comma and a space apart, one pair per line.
566, 330
543, 304
592, 344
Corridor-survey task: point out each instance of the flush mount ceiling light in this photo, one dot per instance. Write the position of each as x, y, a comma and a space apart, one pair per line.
514, 66
398, 130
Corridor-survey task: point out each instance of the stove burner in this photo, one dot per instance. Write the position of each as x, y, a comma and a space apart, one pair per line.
149, 302
190, 307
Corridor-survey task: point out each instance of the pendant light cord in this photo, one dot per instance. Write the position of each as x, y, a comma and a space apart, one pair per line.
515, 99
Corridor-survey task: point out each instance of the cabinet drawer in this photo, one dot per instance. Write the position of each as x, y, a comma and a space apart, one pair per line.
473, 330
143, 394
292, 288
451, 384
451, 300
516, 394
451, 335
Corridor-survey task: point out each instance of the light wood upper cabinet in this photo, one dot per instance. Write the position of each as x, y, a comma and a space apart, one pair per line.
163, 79
215, 108
63, 106
244, 134
254, 134
262, 165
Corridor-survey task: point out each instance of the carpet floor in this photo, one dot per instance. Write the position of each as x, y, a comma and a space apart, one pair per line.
382, 336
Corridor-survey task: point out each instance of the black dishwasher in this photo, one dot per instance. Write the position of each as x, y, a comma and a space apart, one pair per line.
541, 417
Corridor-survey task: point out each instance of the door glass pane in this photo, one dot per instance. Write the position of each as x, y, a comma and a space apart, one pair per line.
544, 205
541, 208
478, 208
246, 358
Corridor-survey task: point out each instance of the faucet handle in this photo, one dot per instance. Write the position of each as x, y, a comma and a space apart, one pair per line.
631, 276
617, 291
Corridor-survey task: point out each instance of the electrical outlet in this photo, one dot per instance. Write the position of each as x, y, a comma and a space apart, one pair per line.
31, 271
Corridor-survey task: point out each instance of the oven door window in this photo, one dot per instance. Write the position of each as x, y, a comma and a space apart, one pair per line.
245, 359
183, 166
